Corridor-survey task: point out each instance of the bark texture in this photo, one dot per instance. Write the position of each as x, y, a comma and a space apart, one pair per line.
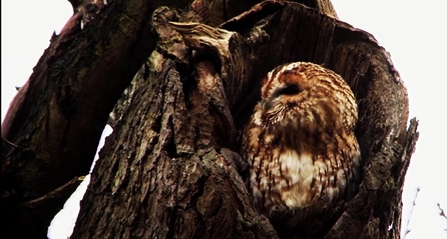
171, 168
199, 91
52, 129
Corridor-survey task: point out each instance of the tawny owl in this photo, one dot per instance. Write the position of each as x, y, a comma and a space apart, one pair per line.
300, 141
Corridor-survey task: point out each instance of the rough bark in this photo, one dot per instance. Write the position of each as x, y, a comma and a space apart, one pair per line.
197, 97
51, 131
171, 167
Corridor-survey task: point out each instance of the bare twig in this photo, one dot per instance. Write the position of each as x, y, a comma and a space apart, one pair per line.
411, 212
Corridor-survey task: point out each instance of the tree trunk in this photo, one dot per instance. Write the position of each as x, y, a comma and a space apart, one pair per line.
171, 168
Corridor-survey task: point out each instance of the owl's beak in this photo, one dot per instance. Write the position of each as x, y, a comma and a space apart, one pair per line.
266, 105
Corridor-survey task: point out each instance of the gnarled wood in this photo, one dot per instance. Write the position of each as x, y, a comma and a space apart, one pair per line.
171, 168
57, 117
186, 125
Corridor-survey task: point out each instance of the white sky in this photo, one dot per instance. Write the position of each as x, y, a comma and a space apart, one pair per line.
415, 34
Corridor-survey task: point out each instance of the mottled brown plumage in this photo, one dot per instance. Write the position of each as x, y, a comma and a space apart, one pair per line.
300, 141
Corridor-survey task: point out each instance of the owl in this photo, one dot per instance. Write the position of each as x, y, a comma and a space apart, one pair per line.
299, 141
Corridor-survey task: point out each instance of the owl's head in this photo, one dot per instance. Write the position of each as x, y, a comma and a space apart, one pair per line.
304, 95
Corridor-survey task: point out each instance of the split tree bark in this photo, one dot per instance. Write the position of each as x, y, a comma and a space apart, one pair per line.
171, 167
